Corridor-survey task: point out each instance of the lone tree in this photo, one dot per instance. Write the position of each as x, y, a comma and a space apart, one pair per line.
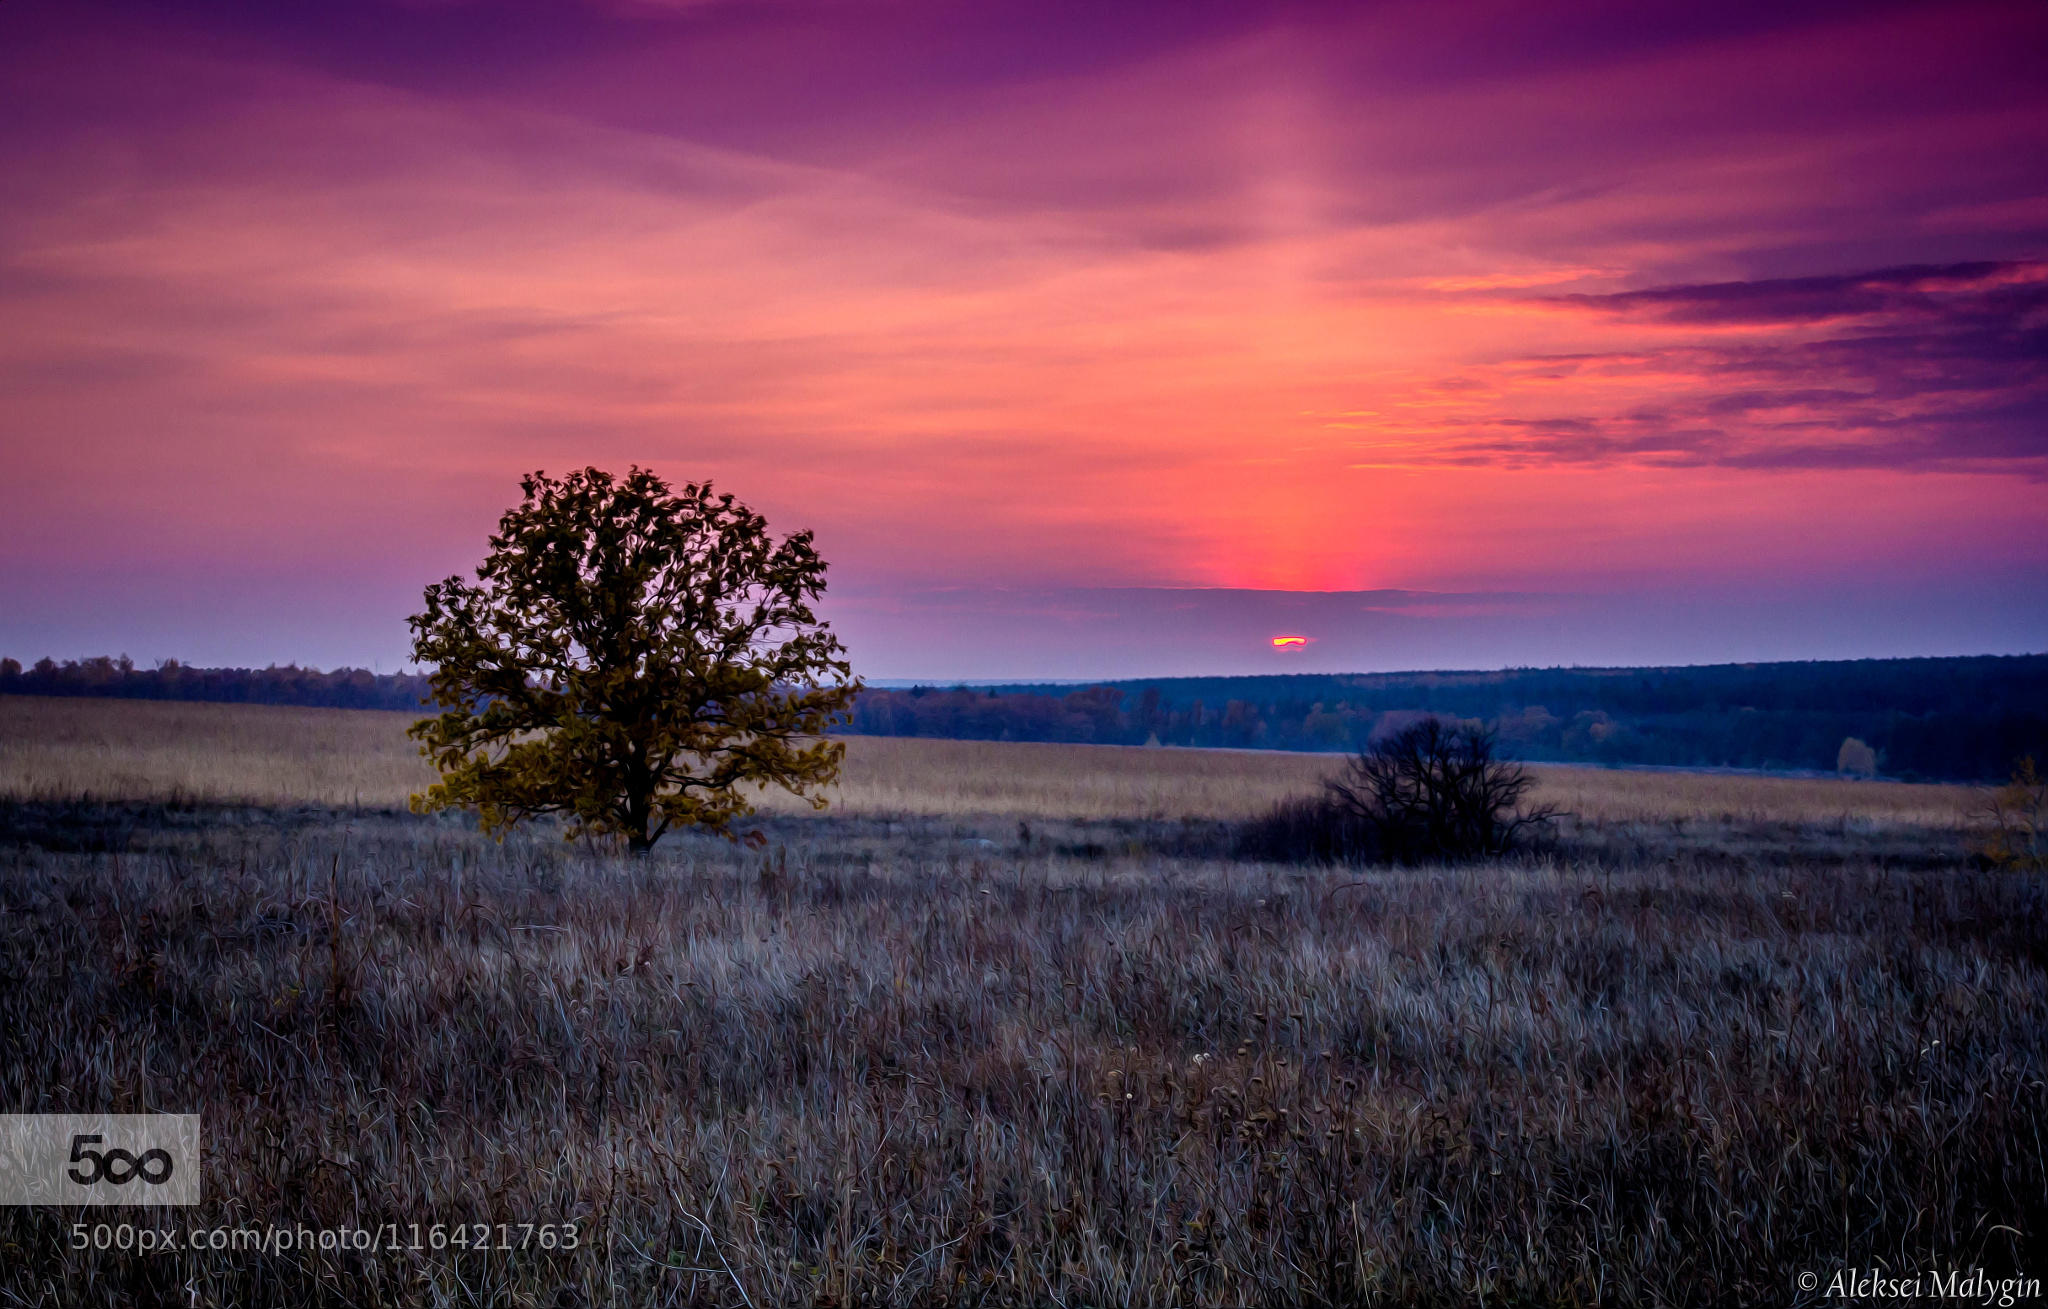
634, 657
1435, 791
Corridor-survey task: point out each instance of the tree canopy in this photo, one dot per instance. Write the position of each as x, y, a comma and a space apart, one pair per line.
633, 657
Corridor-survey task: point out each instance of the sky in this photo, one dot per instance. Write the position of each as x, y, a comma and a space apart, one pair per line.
1091, 340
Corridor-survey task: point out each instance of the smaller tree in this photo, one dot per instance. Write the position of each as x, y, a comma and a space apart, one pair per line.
1435, 790
633, 657
2018, 815
1856, 759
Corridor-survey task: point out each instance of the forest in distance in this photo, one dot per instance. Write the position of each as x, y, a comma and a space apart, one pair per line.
1963, 718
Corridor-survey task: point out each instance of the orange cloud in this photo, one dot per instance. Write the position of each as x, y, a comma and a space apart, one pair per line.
1252, 311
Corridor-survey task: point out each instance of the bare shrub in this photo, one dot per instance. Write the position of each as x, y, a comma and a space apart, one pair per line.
1433, 790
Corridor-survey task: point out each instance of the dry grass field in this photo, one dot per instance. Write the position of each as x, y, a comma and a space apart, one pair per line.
269, 755
1002, 1029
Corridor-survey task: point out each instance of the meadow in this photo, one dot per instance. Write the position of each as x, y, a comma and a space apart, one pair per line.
1009, 1024
268, 755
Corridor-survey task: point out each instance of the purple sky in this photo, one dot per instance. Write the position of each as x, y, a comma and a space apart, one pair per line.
1091, 339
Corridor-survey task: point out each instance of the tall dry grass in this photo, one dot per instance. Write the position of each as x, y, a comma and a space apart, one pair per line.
878, 1065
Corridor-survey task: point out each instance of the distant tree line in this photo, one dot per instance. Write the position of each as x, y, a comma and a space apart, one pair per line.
344, 688
1963, 718
1956, 718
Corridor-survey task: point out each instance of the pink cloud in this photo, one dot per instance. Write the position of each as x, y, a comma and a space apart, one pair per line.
1324, 304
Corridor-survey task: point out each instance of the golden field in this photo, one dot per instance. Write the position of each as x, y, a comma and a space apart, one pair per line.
269, 755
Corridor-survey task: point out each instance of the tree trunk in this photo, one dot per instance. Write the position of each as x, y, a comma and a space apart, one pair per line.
638, 814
